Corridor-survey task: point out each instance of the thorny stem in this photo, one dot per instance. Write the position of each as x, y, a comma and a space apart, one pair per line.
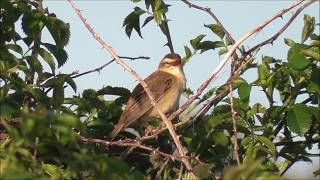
168, 123
235, 132
228, 55
275, 36
98, 69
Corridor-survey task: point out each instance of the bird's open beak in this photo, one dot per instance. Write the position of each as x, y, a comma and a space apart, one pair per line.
176, 63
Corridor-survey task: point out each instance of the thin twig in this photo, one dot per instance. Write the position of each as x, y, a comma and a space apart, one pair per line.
275, 36
234, 123
208, 10
126, 143
98, 69
168, 123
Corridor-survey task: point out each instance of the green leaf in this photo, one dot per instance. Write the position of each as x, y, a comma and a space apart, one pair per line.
200, 171
6, 111
289, 42
296, 59
147, 20
220, 138
187, 92
132, 21
314, 83
299, 119
71, 82
187, 51
59, 30
207, 95
118, 91
14, 47
308, 28
206, 45
228, 41
313, 52
263, 73
222, 51
58, 52
196, 41
58, 95
159, 8
32, 23
272, 148
244, 91
267, 60
34, 64
216, 29
48, 58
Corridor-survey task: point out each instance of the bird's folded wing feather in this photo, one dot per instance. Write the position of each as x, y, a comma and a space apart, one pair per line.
139, 103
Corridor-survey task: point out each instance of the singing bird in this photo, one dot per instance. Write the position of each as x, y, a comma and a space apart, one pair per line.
166, 85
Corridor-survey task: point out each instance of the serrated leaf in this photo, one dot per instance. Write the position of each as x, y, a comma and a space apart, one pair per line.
272, 148
48, 58
118, 91
14, 47
296, 59
314, 83
32, 23
37, 93
58, 95
59, 30
159, 8
34, 64
58, 52
71, 82
308, 28
196, 41
299, 119
216, 29
132, 21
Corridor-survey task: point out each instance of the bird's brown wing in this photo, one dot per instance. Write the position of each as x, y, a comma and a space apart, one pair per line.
139, 102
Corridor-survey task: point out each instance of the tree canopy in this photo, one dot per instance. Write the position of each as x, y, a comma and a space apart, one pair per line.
45, 134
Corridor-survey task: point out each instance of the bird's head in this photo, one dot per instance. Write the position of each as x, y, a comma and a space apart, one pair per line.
170, 61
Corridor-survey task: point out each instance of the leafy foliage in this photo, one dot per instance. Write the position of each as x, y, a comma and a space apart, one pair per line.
39, 124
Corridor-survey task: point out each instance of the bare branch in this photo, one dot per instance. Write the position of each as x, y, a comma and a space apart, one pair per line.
98, 69
168, 123
234, 123
228, 55
127, 143
274, 37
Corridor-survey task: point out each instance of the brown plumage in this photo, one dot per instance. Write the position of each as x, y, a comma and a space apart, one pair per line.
166, 84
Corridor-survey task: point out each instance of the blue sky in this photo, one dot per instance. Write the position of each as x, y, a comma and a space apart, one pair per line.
106, 17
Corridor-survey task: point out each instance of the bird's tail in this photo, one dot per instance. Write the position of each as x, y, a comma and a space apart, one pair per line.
115, 132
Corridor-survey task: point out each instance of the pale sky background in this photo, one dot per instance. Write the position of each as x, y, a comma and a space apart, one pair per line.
106, 17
